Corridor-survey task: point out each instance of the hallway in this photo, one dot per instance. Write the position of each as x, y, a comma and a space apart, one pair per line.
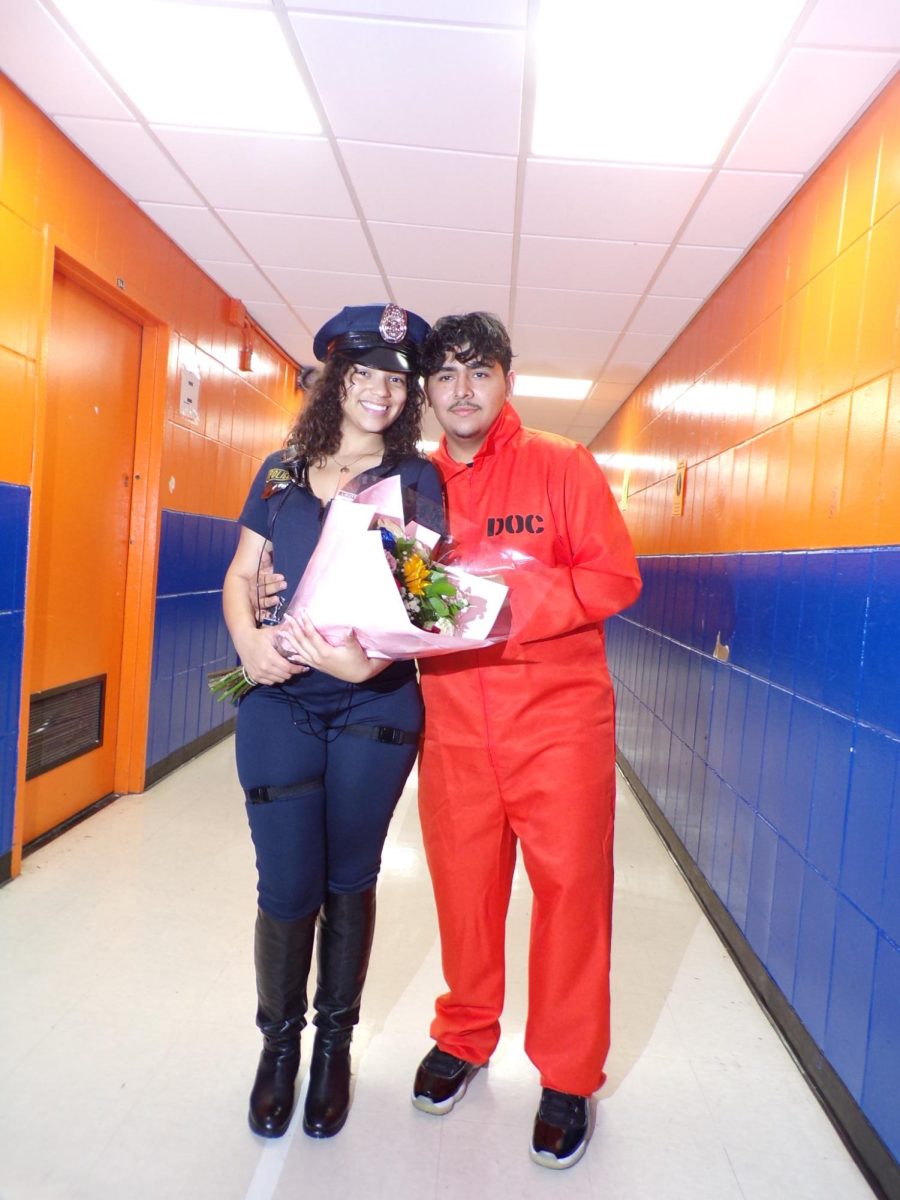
128, 1040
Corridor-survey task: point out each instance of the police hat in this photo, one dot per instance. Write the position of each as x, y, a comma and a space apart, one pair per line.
378, 335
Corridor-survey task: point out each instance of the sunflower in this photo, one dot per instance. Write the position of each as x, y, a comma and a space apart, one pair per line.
415, 575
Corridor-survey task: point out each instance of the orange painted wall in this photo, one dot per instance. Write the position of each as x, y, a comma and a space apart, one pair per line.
52, 198
56, 208
783, 393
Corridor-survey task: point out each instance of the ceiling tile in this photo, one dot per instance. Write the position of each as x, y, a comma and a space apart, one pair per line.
294, 175
623, 371
589, 200
581, 310
198, 65
595, 266
552, 415
433, 298
738, 205
284, 326
42, 60
572, 353
416, 252
475, 12
810, 101
315, 243
196, 230
585, 434
641, 348
242, 281
874, 25
694, 270
367, 102
125, 152
664, 314
603, 394
433, 187
326, 289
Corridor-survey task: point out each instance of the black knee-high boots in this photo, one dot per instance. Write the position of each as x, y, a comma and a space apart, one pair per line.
282, 953
346, 928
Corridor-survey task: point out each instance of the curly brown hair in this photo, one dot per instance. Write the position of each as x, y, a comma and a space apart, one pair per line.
317, 431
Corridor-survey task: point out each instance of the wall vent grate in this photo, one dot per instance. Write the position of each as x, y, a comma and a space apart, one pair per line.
64, 722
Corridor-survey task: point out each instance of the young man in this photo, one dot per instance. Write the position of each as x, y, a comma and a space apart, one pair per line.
519, 742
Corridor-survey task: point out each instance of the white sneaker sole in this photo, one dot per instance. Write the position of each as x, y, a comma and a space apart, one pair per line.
438, 1108
544, 1158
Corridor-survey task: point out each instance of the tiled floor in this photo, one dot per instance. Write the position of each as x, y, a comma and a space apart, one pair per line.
127, 1043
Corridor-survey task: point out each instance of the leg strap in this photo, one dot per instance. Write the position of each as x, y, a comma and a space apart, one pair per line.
265, 795
383, 733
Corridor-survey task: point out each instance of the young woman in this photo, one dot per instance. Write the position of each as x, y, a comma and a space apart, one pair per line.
324, 743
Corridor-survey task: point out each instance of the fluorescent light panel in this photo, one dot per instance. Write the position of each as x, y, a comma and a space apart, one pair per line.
651, 81
548, 387
197, 65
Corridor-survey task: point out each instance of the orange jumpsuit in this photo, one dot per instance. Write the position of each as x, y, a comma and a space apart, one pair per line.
519, 747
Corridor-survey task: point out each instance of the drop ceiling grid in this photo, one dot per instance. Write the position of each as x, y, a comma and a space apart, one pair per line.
412, 188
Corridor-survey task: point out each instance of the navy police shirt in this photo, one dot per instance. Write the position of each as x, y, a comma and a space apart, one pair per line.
282, 508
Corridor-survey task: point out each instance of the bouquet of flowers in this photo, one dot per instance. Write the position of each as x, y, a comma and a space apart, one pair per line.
432, 599
375, 574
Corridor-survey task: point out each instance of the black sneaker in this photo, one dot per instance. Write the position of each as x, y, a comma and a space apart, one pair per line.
561, 1130
441, 1080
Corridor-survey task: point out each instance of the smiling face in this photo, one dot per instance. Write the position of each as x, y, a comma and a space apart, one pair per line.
372, 399
467, 398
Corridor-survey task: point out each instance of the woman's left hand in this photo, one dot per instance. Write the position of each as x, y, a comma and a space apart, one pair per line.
348, 661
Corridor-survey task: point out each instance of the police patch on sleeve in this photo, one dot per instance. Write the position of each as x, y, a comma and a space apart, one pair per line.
277, 480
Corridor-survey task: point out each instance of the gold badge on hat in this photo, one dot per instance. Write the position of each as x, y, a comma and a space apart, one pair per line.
393, 325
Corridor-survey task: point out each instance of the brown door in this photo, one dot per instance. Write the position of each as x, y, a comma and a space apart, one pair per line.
81, 551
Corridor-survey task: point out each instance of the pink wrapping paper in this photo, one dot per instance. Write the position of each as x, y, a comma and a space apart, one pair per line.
348, 586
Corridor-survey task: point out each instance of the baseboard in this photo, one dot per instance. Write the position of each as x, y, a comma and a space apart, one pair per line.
184, 754
5, 867
69, 823
154, 774
868, 1150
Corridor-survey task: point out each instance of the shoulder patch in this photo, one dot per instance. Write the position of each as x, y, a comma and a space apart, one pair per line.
277, 479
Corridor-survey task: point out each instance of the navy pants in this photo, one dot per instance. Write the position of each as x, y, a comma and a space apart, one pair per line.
325, 828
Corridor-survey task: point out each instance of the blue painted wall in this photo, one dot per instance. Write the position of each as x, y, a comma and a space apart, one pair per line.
190, 638
15, 504
779, 769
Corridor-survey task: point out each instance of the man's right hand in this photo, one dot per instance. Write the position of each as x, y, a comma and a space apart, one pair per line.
265, 589
261, 661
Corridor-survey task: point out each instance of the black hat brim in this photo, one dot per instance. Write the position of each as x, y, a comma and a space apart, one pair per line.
383, 358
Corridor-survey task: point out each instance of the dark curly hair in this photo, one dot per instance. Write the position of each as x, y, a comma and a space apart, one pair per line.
471, 337
317, 431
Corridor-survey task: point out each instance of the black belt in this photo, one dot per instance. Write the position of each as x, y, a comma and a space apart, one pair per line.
383, 733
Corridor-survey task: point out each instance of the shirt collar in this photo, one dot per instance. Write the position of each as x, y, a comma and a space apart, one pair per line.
503, 430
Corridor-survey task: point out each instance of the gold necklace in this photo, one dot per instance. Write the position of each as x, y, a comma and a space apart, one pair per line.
344, 468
